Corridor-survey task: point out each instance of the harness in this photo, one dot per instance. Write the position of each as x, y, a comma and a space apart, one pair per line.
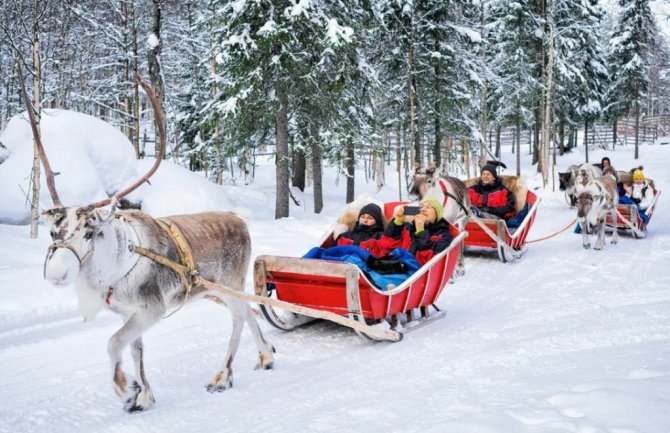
62, 244
446, 194
186, 269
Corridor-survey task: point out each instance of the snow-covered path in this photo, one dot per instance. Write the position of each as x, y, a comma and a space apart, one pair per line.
565, 340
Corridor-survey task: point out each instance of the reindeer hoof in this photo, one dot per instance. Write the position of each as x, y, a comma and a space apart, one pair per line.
212, 388
587, 246
268, 366
138, 401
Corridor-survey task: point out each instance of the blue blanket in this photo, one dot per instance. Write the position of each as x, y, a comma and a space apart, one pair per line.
359, 257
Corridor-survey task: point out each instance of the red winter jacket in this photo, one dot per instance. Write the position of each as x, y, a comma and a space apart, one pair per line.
365, 237
495, 199
434, 239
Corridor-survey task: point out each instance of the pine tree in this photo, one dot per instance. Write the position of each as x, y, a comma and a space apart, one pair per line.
516, 32
631, 48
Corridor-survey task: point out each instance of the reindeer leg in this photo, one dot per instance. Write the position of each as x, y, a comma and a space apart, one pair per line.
223, 379
586, 242
125, 386
265, 349
145, 398
600, 243
615, 231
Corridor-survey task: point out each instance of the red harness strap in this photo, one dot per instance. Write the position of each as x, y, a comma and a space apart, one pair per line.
109, 296
445, 192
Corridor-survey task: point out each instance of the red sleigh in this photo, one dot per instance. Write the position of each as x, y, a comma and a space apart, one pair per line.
342, 293
510, 244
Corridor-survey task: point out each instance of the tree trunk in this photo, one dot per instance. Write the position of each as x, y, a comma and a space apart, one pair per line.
299, 169
637, 122
437, 157
536, 137
518, 145
546, 127
37, 98
136, 86
282, 163
398, 158
614, 132
561, 137
586, 139
350, 165
411, 88
498, 131
155, 48
316, 167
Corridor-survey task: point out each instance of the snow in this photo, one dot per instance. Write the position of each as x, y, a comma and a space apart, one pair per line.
93, 158
565, 340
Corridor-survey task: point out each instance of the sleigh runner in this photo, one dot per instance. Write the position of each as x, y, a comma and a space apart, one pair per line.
342, 289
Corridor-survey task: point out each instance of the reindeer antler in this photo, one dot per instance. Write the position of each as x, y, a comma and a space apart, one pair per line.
38, 141
160, 127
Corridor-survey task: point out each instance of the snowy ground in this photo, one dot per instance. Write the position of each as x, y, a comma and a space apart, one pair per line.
565, 340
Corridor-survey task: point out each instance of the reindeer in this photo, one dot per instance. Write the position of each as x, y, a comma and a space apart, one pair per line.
584, 175
141, 267
450, 191
566, 182
598, 198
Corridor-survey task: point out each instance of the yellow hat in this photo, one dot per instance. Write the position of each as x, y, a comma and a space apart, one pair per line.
638, 175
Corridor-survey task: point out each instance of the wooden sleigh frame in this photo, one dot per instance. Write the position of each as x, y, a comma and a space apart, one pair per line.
628, 218
494, 233
342, 293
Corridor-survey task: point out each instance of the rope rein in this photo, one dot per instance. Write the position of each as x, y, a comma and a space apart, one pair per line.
553, 234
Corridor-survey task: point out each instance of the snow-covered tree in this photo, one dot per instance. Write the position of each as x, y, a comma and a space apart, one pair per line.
630, 53
271, 52
516, 32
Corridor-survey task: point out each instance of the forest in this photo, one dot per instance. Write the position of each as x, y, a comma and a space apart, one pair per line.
358, 84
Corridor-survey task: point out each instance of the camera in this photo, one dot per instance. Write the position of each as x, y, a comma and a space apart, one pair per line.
412, 210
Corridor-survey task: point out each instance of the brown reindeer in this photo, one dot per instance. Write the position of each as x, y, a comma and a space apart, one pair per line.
141, 268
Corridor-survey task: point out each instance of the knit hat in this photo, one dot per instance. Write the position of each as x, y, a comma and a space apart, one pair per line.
430, 201
491, 169
638, 175
374, 211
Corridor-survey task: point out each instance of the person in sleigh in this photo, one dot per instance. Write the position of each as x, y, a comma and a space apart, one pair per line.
364, 246
640, 193
489, 197
427, 235
367, 231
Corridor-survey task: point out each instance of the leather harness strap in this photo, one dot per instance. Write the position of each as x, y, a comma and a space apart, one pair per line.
186, 268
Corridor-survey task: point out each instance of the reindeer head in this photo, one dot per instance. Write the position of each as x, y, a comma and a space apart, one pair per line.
423, 180
611, 172
584, 204
74, 231
591, 201
565, 180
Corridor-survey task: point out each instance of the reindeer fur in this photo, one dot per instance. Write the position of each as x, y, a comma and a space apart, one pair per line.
566, 182
349, 217
597, 199
142, 291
